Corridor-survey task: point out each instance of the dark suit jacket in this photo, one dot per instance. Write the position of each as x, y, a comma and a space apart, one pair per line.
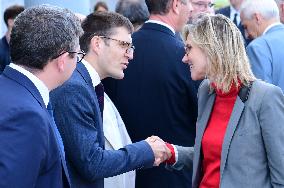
78, 118
158, 97
29, 155
226, 11
4, 54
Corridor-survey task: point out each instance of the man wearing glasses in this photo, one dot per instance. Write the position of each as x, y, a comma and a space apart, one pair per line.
201, 6
81, 109
44, 43
157, 95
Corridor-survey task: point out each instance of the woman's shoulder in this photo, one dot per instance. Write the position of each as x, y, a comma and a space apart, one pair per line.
263, 87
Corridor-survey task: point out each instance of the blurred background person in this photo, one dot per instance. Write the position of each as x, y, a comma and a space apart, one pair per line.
262, 23
135, 10
9, 15
233, 13
201, 6
240, 133
157, 95
280, 4
100, 6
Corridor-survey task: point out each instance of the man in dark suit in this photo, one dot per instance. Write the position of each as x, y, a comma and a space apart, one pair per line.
44, 43
233, 13
157, 95
9, 16
79, 103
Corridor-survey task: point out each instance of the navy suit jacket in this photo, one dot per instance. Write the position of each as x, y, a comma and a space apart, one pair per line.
266, 56
158, 97
78, 118
29, 155
4, 54
226, 11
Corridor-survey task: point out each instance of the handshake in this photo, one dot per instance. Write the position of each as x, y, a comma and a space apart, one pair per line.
160, 149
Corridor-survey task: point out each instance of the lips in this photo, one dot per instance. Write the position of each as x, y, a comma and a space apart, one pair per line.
124, 65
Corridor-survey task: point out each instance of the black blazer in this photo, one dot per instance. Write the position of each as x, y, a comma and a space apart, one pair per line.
226, 11
157, 97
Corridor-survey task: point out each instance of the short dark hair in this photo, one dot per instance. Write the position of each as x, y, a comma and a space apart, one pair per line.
135, 10
102, 24
42, 32
12, 12
100, 4
159, 6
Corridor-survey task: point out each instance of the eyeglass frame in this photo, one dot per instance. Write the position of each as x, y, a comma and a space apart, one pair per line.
71, 52
122, 43
203, 4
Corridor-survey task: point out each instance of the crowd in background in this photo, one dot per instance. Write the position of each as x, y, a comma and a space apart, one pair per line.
171, 93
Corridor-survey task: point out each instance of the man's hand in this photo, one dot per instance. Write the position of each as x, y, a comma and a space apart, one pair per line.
160, 150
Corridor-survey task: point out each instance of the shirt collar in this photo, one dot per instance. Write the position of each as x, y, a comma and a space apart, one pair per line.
92, 72
161, 23
270, 26
41, 87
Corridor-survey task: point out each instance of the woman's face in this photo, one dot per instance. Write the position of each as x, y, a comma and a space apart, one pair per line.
196, 59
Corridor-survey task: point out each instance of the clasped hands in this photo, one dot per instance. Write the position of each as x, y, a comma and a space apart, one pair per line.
160, 149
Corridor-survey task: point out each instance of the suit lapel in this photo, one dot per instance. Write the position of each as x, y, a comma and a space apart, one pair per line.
86, 77
25, 82
202, 123
232, 125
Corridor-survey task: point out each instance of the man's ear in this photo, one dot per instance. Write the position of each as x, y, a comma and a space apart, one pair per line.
175, 6
258, 18
95, 44
61, 61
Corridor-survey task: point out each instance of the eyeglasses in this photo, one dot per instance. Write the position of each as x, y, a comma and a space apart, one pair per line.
125, 45
187, 49
80, 55
203, 5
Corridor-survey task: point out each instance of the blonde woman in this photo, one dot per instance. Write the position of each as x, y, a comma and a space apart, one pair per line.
240, 127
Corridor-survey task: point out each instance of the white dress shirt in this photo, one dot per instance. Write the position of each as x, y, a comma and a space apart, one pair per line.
115, 133
41, 87
233, 11
161, 23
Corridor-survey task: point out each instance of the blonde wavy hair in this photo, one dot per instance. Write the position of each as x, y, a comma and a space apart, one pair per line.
222, 42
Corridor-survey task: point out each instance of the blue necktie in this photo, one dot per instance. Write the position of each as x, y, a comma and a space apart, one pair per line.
59, 142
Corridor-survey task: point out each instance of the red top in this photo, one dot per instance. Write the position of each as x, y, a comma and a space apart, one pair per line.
213, 137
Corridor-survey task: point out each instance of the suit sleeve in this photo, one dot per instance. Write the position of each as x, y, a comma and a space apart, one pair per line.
184, 159
260, 60
75, 115
23, 145
271, 118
